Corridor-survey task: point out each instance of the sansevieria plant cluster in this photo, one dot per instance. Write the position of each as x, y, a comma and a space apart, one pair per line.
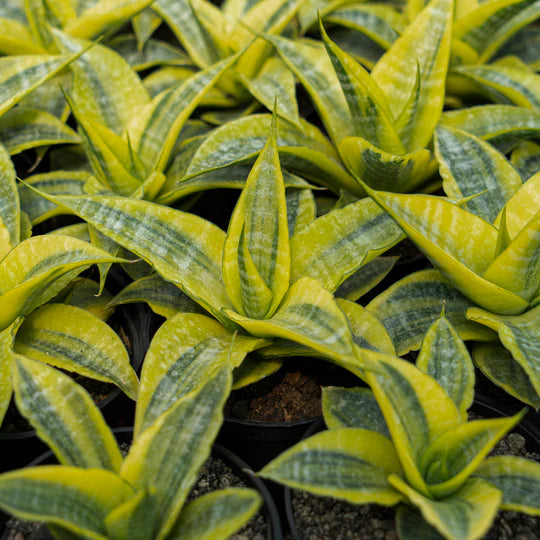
345, 127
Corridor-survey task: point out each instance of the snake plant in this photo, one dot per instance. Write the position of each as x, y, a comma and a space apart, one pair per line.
256, 278
403, 442
39, 313
95, 492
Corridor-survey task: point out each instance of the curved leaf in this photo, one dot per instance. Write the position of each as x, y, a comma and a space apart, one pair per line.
496, 362
503, 126
102, 15
308, 315
520, 335
301, 208
517, 478
367, 331
426, 44
364, 279
64, 416
68, 496
336, 245
184, 352
256, 254
10, 213
345, 463
399, 173
450, 459
409, 307
24, 128
37, 269
216, 515
466, 514
105, 89
56, 183
416, 410
470, 166
70, 338
7, 337
353, 408
16, 39
183, 248
169, 454
526, 159
445, 357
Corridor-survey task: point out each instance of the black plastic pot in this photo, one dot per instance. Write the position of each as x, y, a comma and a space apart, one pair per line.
484, 406
20, 447
239, 466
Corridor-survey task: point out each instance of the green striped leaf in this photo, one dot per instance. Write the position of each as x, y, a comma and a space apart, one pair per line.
163, 297
369, 111
37, 12
145, 24
105, 89
353, 408
154, 132
445, 357
20, 75
367, 331
275, 83
135, 519
73, 339
516, 268
517, 478
526, 159
492, 23
182, 247
253, 369
154, 53
10, 212
7, 337
364, 279
450, 459
410, 306
344, 463
184, 352
336, 245
13, 9
416, 410
16, 39
24, 128
504, 84
56, 183
383, 24
309, 316
306, 151
313, 68
503, 126
410, 525
256, 255
216, 515
187, 27
466, 514
68, 496
64, 416
461, 247
301, 208
102, 15
169, 454
470, 166
520, 335
38, 268
522, 207
523, 45
85, 293
429, 54
381, 170
496, 363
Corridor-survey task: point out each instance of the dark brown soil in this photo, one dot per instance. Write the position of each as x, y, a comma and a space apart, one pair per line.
294, 393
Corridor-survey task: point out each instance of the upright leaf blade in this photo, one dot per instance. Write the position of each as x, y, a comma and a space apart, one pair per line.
64, 416
470, 166
10, 213
256, 255
431, 51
